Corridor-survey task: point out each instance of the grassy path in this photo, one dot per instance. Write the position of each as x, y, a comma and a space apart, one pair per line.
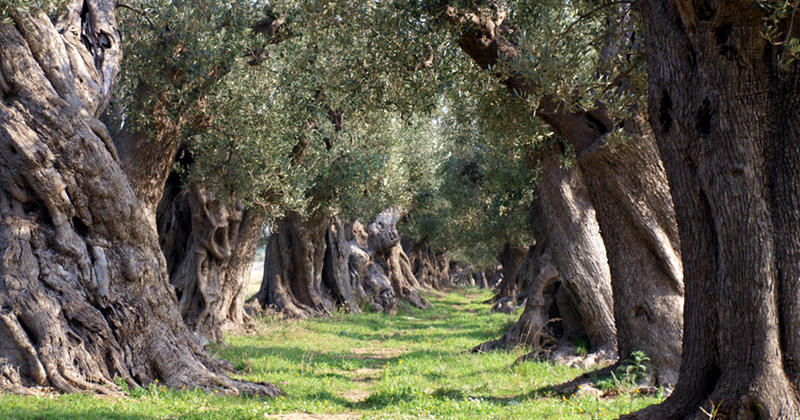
415, 364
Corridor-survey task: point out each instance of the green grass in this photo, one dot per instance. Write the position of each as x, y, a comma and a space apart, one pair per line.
414, 364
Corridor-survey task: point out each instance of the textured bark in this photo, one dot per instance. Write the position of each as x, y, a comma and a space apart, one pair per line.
430, 268
564, 208
384, 243
461, 276
84, 293
370, 282
293, 267
532, 327
209, 247
313, 265
568, 246
724, 115
480, 280
336, 274
510, 299
511, 259
634, 208
147, 160
494, 276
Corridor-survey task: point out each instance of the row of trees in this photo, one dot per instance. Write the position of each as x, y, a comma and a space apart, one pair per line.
663, 150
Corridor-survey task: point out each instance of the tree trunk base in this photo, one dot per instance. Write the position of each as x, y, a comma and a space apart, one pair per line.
765, 396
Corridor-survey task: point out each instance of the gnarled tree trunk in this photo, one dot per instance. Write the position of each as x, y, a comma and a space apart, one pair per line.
336, 274
531, 328
565, 212
84, 294
209, 247
480, 280
461, 275
634, 208
312, 265
725, 117
568, 247
384, 243
430, 268
369, 279
293, 267
510, 299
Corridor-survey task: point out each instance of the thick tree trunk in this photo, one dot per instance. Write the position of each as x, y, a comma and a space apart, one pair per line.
431, 269
384, 243
369, 280
568, 246
634, 208
312, 265
336, 268
565, 211
509, 294
84, 293
532, 327
293, 267
494, 276
511, 259
724, 115
147, 159
479, 278
209, 247
462, 276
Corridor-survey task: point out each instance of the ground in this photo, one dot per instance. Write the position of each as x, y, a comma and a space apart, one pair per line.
415, 364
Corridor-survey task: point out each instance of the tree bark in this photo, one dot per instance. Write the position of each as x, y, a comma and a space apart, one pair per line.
634, 208
511, 259
630, 194
369, 279
566, 212
531, 328
336, 272
209, 248
480, 280
724, 115
461, 275
293, 268
384, 243
84, 294
565, 226
430, 268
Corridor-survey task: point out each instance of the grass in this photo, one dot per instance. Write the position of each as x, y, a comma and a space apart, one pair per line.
415, 364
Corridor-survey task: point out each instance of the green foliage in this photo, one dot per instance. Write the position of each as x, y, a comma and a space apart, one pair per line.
265, 133
486, 187
582, 346
354, 106
628, 374
779, 25
49, 7
414, 364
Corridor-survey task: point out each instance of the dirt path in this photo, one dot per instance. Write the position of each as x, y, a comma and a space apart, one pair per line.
365, 377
